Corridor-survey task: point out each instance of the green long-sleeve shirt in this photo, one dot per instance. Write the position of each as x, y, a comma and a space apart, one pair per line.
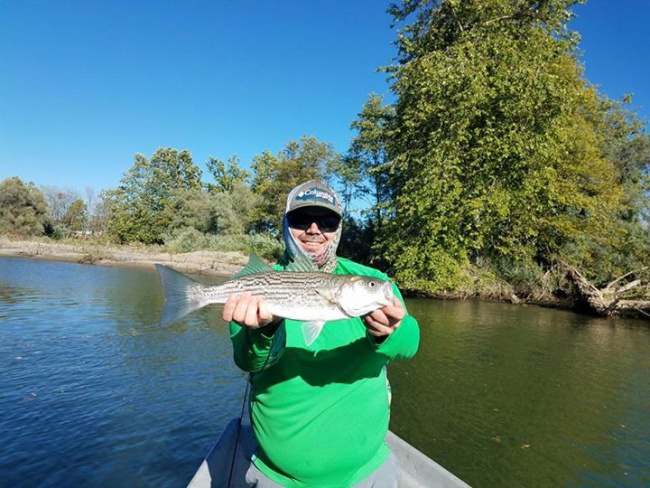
320, 413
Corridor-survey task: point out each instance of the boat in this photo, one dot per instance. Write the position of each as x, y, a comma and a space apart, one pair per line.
226, 463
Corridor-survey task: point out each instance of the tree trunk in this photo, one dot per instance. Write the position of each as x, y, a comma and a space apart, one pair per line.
609, 300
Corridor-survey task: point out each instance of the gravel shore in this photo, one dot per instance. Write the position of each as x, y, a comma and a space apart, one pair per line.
204, 262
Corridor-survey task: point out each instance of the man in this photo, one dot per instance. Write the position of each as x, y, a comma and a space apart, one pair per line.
320, 412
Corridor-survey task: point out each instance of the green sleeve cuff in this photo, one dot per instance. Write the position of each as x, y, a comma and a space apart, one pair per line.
402, 343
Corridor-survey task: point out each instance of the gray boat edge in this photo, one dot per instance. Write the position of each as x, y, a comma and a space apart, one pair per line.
227, 462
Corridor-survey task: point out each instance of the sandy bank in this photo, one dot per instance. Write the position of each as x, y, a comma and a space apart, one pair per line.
205, 262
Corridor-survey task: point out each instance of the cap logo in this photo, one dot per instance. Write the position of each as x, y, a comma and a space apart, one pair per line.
314, 194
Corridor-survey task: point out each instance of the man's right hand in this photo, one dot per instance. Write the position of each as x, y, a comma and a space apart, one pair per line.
248, 310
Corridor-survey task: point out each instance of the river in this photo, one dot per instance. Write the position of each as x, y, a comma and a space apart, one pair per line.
93, 393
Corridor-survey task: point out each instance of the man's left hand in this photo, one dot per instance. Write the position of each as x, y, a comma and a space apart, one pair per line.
382, 322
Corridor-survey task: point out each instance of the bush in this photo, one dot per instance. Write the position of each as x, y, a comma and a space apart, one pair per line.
523, 276
185, 240
264, 245
56, 231
189, 239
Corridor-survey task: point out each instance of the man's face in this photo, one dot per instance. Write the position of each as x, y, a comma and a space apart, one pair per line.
313, 229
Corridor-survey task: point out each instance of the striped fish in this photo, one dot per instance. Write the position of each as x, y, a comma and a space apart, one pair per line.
310, 296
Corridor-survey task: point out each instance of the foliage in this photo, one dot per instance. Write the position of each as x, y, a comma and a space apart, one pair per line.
356, 240
524, 276
232, 209
228, 177
139, 205
495, 148
59, 201
189, 208
101, 213
368, 156
23, 211
76, 216
497, 160
189, 240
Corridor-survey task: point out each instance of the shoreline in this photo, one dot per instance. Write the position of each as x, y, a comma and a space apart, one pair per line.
199, 262
215, 263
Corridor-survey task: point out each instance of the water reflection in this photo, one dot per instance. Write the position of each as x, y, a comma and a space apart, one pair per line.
524, 393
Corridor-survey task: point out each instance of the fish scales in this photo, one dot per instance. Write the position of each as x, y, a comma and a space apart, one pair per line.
312, 297
274, 286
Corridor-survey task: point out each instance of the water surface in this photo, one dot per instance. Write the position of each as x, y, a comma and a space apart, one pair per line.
93, 393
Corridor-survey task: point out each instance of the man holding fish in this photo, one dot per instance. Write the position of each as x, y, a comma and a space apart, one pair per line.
317, 350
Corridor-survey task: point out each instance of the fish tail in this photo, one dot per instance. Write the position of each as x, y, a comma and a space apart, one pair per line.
179, 302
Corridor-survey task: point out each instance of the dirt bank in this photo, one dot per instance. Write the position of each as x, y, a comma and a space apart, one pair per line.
206, 262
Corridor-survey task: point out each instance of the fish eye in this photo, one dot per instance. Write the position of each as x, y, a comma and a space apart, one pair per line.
371, 284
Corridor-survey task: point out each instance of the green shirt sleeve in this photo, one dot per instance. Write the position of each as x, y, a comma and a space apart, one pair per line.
253, 351
404, 341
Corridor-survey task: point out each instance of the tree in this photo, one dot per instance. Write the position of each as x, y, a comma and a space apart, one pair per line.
494, 148
76, 216
58, 201
100, 213
138, 206
226, 175
232, 210
368, 155
189, 208
23, 210
275, 176
627, 146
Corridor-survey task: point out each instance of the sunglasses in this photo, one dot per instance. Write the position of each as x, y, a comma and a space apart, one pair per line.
326, 223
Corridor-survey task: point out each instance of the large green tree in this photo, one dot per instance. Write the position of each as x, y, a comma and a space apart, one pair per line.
227, 175
368, 155
23, 210
233, 210
495, 150
627, 146
139, 204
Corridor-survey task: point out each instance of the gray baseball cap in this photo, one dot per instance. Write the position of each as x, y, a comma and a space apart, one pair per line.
314, 194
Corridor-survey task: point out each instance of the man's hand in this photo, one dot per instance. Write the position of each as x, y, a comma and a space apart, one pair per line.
247, 310
382, 322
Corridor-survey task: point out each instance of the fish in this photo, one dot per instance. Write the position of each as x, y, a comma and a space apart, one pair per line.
310, 296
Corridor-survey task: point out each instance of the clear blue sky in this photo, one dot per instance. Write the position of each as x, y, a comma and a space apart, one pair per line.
85, 84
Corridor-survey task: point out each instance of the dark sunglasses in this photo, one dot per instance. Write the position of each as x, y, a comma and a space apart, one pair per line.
326, 223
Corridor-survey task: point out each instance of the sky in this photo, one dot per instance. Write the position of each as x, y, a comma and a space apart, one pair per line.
86, 84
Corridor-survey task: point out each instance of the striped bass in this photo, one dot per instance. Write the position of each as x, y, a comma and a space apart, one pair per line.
312, 296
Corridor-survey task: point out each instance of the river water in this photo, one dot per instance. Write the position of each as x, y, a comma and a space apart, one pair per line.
93, 393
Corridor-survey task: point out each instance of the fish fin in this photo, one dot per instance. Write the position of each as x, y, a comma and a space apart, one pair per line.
301, 263
254, 265
311, 330
178, 301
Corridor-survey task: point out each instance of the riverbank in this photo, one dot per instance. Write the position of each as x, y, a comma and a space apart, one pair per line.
204, 262
228, 263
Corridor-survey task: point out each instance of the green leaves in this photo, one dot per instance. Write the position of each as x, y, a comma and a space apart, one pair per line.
23, 210
139, 205
499, 147
367, 158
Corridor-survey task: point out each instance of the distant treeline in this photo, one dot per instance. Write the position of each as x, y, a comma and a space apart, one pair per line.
496, 161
